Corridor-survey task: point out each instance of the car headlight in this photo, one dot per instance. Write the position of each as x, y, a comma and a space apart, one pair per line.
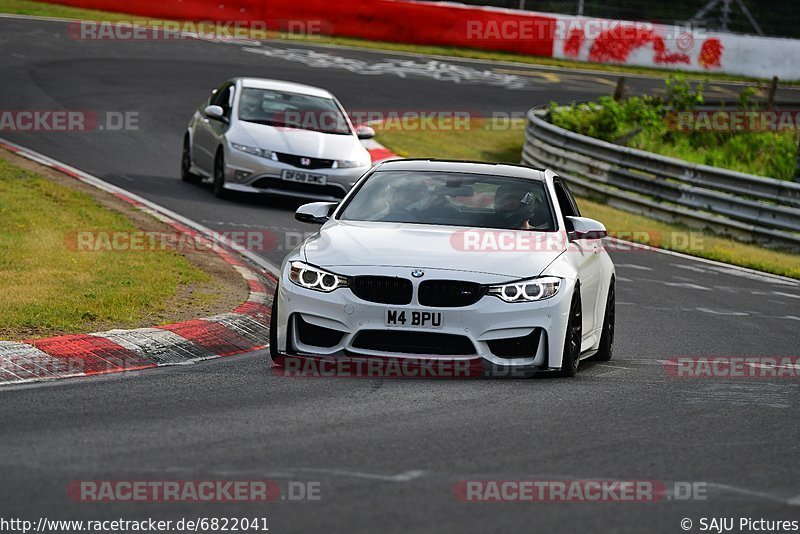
350, 164
255, 151
309, 277
527, 290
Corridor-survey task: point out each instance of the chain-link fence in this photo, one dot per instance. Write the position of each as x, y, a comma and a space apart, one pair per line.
779, 18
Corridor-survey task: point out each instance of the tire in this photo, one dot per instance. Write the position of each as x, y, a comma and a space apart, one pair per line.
219, 176
572, 337
277, 359
186, 164
606, 349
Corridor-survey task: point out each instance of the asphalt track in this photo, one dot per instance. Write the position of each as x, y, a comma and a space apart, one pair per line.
388, 452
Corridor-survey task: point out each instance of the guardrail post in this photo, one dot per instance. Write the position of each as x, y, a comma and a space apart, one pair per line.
773, 88
619, 92
797, 168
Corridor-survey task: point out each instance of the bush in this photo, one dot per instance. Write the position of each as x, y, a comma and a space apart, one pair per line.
642, 122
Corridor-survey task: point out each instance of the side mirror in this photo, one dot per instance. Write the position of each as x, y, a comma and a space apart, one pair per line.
214, 112
315, 213
365, 132
583, 228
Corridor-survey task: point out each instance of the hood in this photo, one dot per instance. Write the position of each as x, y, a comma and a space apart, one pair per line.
298, 142
511, 253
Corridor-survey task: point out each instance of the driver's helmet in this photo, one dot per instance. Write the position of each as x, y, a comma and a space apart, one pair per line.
406, 195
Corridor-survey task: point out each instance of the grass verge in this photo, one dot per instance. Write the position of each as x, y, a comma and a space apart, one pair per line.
27, 7
483, 143
50, 288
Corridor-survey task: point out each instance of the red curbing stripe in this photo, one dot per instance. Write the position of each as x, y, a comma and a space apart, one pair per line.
380, 154
271, 277
256, 310
182, 228
127, 199
215, 337
230, 259
11, 148
91, 355
256, 286
68, 172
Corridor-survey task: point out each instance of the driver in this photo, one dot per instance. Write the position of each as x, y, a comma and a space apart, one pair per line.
403, 201
513, 206
251, 106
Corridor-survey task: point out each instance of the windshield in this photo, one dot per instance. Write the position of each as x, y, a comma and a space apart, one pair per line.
292, 110
453, 199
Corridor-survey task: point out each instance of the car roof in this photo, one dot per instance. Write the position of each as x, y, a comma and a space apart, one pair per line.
473, 167
289, 87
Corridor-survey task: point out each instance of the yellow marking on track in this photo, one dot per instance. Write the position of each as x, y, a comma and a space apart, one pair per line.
549, 76
718, 89
592, 79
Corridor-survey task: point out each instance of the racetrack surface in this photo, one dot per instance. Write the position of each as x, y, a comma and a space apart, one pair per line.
388, 452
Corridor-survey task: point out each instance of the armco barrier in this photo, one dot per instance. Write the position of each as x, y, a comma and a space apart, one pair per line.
745, 206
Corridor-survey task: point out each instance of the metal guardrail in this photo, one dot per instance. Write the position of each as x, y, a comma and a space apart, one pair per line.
744, 206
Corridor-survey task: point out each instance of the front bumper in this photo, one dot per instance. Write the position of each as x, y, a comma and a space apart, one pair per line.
253, 174
484, 325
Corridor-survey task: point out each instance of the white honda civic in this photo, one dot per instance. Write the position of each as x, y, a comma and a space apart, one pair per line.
266, 136
449, 261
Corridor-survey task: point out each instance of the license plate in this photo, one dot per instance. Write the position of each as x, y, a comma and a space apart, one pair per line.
304, 177
413, 319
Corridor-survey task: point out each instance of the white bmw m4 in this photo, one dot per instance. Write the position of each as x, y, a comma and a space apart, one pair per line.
450, 261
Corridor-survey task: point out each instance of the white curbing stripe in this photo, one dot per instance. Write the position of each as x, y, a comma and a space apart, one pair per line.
26, 363
244, 325
19, 359
246, 273
161, 346
260, 298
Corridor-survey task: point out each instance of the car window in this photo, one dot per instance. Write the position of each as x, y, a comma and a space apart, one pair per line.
224, 99
454, 199
569, 208
292, 110
571, 197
